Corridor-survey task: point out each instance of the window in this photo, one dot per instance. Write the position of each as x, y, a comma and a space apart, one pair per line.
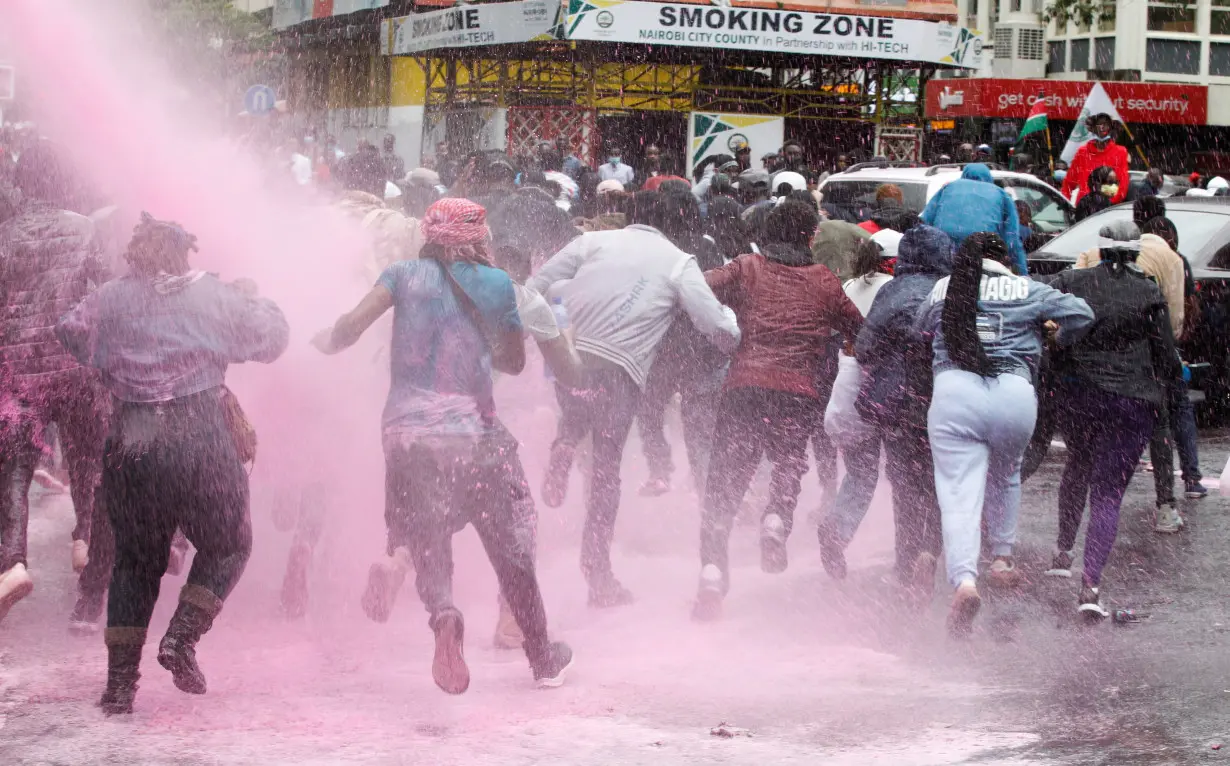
1172, 16
1104, 53
1057, 53
1197, 229
1003, 43
1106, 17
1080, 55
1219, 17
1219, 60
1015, 6
861, 195
1029, 44
1172, 56
1049, 212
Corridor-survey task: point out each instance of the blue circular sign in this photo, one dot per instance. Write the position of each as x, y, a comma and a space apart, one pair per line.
259, 99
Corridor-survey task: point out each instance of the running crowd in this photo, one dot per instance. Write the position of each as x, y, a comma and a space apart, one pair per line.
779, 321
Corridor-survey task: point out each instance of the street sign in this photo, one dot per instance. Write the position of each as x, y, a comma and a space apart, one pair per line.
259, 99
8, 82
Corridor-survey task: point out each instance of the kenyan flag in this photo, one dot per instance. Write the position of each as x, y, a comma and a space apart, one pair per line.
1035, 122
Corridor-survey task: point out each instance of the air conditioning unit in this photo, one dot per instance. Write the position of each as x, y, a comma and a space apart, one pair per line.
1020, 50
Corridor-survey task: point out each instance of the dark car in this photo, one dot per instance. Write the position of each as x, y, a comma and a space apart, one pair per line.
1204, 238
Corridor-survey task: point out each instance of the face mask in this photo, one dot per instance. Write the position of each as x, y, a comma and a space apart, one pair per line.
1110, 190
613, 160
1060, 175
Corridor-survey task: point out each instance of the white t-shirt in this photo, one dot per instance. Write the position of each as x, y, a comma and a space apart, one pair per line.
301, 169
862, 290
537, 319
621, 172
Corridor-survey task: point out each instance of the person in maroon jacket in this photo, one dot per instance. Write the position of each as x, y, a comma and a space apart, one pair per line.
787, 307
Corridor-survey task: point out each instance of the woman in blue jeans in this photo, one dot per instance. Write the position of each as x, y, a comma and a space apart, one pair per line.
1111, 386
858, 440
986, 326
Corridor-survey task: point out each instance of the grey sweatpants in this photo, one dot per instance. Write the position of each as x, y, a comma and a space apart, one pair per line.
979, 429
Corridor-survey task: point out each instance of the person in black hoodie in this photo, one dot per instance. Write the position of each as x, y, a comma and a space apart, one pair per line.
1113, 383
687, 363
896, 395
1103, 186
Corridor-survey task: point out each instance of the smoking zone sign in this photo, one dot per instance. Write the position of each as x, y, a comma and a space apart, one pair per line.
763, 29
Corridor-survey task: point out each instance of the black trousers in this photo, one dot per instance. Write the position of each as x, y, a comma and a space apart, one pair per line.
79, 408
752, 422
604, 407
698, 409
434, 489
821, 446
916, 510
169, 466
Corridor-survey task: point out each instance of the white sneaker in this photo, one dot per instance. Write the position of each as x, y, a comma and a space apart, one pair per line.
1089, 604
1167, 520
15, 584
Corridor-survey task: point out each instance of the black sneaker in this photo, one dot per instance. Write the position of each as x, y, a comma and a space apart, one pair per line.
1061, 565
448, 668
1089, 605
832, 554
549, 674
1195, 490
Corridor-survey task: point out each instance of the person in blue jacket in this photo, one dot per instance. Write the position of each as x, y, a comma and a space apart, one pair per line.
974, 203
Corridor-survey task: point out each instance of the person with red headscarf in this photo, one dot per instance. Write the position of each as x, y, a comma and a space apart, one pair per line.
448, 459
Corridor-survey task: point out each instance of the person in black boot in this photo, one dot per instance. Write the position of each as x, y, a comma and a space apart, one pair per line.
162, 337
192, 619
124, 647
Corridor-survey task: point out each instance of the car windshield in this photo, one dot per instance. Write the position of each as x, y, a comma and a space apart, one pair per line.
1195, 227
862, 194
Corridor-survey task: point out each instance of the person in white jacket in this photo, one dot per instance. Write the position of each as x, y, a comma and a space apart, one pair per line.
621, 290
858, 440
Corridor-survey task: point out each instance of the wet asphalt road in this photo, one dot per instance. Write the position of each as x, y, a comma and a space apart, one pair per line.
817, 672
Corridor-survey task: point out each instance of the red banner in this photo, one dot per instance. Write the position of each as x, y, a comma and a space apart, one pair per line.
1138, 102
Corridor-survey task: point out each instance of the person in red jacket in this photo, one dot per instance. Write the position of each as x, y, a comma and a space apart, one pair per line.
788, 307
1102, 150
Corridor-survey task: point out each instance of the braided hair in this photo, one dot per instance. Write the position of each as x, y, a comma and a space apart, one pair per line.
959, 320
159, 247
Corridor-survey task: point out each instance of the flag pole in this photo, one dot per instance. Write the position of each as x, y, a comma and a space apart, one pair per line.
1050, 150
1139, 151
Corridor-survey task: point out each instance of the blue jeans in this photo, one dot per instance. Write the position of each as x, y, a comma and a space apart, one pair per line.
862, 463
1175, 427
979, 429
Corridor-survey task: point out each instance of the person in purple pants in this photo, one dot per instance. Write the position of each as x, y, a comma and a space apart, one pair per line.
1113, 383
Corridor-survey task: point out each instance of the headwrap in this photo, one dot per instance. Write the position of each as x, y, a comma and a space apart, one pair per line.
459, 226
